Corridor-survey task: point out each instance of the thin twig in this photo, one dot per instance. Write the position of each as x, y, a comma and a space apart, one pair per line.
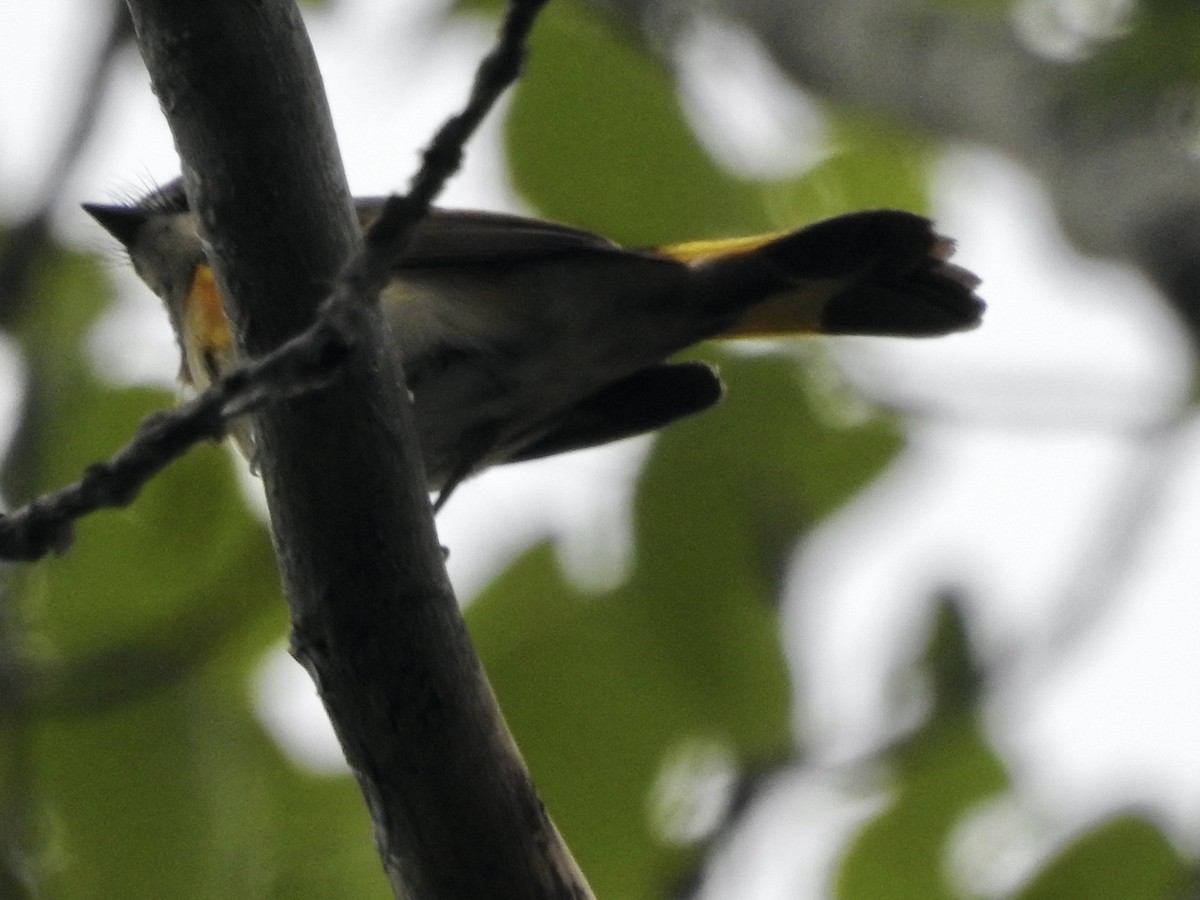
307, 362
388, 236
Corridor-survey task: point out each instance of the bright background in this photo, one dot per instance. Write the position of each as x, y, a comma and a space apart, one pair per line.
1047, 470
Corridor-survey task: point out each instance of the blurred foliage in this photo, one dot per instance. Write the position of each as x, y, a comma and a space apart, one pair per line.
133, 764
1157, 50
940, 772
1125, 857
945, 770
983, 6
593, 110
601, 689
872, 162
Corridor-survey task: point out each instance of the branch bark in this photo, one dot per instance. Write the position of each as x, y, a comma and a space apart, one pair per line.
374, 618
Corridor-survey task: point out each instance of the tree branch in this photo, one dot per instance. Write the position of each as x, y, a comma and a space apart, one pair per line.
374, 618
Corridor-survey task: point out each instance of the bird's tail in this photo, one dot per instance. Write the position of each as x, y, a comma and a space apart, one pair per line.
882, 272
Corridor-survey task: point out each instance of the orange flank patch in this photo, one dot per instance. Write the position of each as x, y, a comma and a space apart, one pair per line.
205, 315
208, 338
206, 320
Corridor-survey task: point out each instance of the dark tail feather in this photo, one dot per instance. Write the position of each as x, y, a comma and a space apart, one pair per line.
876, 273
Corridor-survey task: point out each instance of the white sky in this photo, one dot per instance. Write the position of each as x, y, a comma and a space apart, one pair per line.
1005, 489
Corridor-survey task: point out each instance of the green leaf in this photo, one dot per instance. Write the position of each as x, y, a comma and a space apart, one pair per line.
64, 295
596, 138
1160, 52
763, 466
873, 163
182, 795
136, 576
134, 571
602, 690
941, 772
902, 853
599, 692
68, 293
1126, 857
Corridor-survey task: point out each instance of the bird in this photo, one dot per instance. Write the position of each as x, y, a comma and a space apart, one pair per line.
521, 338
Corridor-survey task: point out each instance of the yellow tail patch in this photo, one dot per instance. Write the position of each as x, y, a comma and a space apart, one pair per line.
796, 310
703, 251
793, 310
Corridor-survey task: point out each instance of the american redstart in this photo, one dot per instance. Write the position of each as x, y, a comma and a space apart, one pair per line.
522, 338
